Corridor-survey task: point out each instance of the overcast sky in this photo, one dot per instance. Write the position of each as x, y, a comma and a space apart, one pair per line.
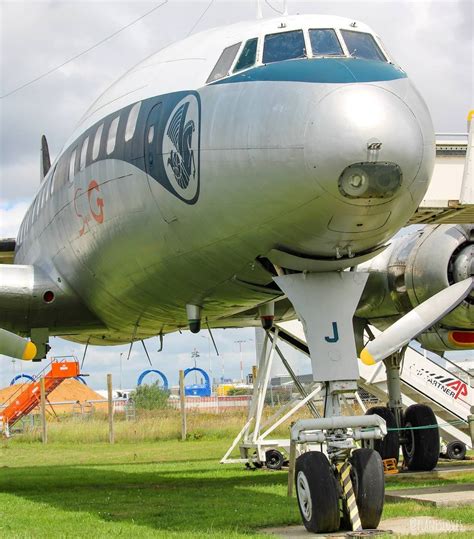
431, 40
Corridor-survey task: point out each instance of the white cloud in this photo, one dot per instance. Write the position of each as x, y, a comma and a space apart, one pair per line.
11, 217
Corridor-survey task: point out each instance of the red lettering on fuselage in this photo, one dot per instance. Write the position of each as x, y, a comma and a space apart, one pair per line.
99, 202
90, 208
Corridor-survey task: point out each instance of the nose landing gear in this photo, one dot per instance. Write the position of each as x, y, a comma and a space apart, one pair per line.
344, 490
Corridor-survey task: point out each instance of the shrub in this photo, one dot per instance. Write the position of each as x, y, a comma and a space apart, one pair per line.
150, 397
238, 391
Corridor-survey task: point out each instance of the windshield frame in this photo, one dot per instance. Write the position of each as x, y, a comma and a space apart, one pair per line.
374, 40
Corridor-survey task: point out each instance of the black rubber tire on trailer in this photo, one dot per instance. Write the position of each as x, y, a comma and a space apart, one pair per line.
389, 447
317, 491
274, 459
368, 481
421, 451
456, 450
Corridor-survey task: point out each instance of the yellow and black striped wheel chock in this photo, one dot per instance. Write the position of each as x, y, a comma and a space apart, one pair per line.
349, 495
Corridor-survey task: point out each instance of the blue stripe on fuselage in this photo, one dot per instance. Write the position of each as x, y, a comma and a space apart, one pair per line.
325, 70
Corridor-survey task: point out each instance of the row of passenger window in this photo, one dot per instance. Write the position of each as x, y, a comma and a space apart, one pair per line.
82, 154
292, 44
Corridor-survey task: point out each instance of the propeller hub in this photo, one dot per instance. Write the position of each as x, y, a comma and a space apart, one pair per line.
463, 266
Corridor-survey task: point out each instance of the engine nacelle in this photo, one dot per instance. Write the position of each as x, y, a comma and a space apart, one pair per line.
416, 267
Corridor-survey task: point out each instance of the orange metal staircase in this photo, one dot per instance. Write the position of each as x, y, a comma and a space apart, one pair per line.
27, 398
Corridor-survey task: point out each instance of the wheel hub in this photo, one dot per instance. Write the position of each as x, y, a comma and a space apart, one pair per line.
304, 496
410, 442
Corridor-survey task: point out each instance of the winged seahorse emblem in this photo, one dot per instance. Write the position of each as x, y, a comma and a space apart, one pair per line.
180, 133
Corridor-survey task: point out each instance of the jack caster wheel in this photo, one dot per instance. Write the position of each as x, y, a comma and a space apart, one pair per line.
317, 491
368, 482
421, 449
456, 450
275, 459
389, 447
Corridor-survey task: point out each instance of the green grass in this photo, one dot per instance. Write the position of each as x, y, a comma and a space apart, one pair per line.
153, 489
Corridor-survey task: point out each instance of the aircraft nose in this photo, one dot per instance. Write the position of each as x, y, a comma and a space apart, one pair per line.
363, 142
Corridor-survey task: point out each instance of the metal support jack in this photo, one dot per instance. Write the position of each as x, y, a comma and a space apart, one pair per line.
253, 442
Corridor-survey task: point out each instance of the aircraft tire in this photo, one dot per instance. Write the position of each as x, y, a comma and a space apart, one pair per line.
274, 459
456, 450
389, 447
368, 482
421, 450
317, 491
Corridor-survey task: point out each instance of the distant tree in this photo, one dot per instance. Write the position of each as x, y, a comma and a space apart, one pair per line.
150, 397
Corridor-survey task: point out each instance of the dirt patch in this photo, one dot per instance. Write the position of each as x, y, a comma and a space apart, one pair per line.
69, 390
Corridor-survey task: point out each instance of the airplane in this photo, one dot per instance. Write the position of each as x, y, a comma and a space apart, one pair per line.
230, 179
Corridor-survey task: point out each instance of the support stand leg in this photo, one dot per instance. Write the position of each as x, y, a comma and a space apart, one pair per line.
392, 366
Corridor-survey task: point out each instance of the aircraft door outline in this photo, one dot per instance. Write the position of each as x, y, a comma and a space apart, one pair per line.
152, 156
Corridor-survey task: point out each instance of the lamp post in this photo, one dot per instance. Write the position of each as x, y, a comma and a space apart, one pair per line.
240, 342
195, 355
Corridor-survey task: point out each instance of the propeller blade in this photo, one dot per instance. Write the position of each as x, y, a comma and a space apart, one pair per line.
13, 345
415, 322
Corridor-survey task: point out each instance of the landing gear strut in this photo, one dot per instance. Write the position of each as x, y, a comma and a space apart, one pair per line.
416, 429
343, 485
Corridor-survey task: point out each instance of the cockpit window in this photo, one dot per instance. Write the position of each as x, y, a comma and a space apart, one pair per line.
324, 42
247, 56
223, 65
362, 45
284, 46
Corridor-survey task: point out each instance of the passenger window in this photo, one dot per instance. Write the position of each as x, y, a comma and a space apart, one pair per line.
151, 134
132, 121
247, 56
72, 163
324, 42
51, 188
223, 65
97, 139
43, 195
82, 162
112, 137
362, 45
284, 46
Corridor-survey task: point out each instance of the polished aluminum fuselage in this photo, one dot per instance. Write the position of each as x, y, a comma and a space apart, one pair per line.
271, 153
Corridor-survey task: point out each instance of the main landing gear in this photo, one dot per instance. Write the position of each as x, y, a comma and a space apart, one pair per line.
341, 486
415, 429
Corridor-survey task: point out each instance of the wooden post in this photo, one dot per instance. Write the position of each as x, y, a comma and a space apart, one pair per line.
291, 468
182, 400
254, 374
110, 408
44, 432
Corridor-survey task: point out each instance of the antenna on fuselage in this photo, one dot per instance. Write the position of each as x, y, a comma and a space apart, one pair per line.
259, 10
285, 7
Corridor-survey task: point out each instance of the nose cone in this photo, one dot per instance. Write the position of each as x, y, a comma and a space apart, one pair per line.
360, 123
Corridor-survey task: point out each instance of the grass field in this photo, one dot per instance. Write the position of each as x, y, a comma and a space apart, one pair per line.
158, 489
